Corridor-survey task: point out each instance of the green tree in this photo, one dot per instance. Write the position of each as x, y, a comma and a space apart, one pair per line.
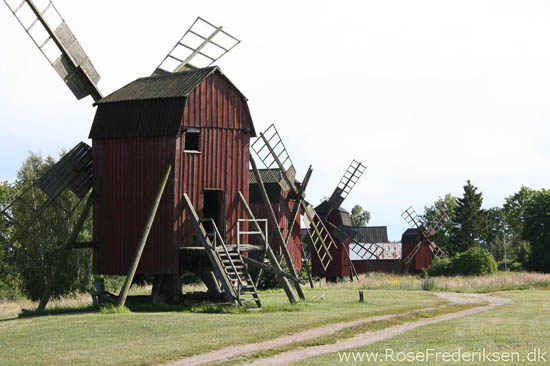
359, 216
37, 251
469, 222
536, 229
496, 235
514, 210
444, 205
10, 281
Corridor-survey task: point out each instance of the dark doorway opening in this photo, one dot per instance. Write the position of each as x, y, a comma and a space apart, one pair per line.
214, 208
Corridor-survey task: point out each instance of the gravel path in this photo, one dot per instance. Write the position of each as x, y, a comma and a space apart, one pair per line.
358, 341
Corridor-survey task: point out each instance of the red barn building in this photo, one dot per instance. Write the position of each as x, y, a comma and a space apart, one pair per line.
282, 206
199, 121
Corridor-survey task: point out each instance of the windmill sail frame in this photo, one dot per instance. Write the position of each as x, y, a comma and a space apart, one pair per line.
200, 50
72, 64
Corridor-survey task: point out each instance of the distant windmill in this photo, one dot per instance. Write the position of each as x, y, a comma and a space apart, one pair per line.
425, 235
271, 151
361, 246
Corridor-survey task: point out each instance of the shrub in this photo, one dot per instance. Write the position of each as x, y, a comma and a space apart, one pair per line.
474, 261
441, 267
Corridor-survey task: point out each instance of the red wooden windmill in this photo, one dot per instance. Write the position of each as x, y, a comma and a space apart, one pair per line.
423, 239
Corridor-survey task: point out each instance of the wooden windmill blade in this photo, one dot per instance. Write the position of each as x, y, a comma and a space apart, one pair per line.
50, 33
72, 171
414, 220
436, 251
362, 247
271, 151
318, 234
350, 178
204, 43
435, 227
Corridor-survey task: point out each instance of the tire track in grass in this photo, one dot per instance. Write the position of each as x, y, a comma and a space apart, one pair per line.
233, 352
367, 338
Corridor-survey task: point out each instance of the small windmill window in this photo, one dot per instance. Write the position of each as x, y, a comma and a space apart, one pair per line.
192, 139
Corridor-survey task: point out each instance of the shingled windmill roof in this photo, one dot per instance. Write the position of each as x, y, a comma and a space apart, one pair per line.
176, 85
150, 106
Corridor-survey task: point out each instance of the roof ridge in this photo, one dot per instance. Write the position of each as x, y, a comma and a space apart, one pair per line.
177, 73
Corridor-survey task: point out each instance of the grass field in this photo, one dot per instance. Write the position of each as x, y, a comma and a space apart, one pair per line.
152, 337
519, 327
501, 281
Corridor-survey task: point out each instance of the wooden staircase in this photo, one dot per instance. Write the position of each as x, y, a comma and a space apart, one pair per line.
237, 273
228, 265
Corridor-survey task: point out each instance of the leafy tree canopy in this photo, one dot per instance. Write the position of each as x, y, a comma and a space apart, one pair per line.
359, 216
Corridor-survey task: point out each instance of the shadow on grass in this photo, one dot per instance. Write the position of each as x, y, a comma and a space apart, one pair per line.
57, 311
140, 307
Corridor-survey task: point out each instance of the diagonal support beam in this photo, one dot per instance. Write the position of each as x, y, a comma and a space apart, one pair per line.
228, 290
272, 269
273, 219
143, 239
65, 252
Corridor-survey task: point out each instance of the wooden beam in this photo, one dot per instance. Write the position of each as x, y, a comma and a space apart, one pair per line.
267, 267
210, 252
65, 252
273, 219
296, 209
143, 239
270, 255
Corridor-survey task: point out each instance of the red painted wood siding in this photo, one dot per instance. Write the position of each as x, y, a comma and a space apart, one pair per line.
340, 264
222, 116
127, 173
377, 265
421, 260
283, 210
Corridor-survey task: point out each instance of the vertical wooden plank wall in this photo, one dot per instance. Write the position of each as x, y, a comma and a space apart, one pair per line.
221, 114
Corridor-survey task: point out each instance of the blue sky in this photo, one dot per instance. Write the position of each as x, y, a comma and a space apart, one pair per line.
427, 94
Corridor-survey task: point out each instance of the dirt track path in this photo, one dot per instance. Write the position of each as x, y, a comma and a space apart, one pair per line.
358, 341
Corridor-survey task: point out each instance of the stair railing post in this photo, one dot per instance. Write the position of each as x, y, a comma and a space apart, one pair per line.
270, 255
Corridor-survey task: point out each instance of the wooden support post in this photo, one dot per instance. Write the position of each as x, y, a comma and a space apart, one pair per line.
273, 219
270, 255
143, 239
269, 268
65, 252
296, 209
361, 297
230, 293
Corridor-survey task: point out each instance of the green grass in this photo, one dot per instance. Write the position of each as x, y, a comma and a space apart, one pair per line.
152, 337
517, 327
352, 332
